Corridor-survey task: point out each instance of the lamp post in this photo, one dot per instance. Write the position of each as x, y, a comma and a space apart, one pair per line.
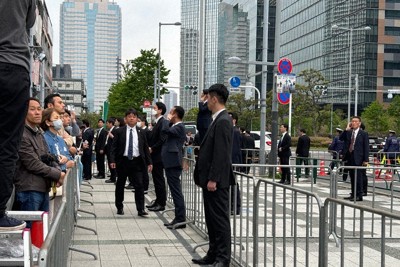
262, 101
367, 28
159, 56
42, 57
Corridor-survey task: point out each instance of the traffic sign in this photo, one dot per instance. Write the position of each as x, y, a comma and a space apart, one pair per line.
285, 66
286, 83
284, 98
234, 81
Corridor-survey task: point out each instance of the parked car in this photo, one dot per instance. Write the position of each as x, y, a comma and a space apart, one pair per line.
375, 144
256, 136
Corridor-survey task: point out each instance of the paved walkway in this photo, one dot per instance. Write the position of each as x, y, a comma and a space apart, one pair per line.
129, 240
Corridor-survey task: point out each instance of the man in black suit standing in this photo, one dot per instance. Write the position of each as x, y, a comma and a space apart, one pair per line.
356, 151
214, 174
284, 153
303, 152
101, 137
172, 159
156, 140
131, 157
204, 115
109, 140
87, 145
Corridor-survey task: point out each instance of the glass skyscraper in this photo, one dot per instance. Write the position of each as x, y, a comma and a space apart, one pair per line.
90, 41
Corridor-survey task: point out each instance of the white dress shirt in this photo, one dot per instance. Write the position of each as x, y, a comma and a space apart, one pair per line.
135, 141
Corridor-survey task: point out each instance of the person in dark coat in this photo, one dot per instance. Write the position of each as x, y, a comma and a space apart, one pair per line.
248, 145
107, 148
392, 146
214, 174
204, 115
101, 137
337, 147
303, 152
284, 153
87, 139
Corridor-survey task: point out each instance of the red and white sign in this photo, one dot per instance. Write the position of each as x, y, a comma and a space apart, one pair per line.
146, 103
285, 66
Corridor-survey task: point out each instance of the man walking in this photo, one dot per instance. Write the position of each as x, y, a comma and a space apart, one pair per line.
131, 157
214, 174
284, 153
101, 137
172, 159
302, 152
356, 150
156, 140
17, 17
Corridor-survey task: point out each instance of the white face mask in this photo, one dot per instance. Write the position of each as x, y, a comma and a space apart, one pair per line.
139, 124
57, 124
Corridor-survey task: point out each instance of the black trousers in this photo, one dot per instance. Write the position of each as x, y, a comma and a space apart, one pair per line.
159, 183
87, 163
285, 170
216, 210
14, 95
101, 167
134, 170
356, 175
175, 187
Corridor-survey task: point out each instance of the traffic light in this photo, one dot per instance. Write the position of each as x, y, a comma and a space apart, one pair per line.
192, 88
323, 89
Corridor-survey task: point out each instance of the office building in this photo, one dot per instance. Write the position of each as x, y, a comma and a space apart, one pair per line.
90, 41
170, 100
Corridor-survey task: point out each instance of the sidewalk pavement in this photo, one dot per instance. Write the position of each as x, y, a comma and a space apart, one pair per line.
129, 240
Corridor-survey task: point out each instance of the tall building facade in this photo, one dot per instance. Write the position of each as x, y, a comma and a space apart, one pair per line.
171, 100
310, 41
90, 41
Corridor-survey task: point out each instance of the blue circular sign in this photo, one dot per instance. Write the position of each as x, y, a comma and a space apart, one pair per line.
284, 98
234, 81
285, 66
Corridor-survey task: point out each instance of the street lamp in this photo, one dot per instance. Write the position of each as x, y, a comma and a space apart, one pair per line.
262, 102
159, 56
42, 57
367, 28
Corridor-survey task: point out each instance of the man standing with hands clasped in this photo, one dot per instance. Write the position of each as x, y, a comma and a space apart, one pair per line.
172, 159
214, 174
356, 150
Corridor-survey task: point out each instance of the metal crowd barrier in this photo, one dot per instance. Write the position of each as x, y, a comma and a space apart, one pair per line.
55, 249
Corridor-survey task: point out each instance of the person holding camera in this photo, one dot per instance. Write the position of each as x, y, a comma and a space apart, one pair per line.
36, 167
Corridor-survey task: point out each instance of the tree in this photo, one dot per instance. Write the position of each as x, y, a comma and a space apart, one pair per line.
191, 115
376, 119
394, 111
137, 83
249, 117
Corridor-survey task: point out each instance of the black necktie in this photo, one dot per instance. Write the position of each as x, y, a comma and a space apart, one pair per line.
351, 148
130, 147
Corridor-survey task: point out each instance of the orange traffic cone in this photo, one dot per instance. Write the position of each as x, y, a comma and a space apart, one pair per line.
388, 174
322, 168
377, 171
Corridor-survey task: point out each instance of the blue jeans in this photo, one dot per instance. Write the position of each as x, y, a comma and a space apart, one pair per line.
33, 201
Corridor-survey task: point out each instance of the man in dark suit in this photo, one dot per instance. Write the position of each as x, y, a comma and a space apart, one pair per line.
204, 115
284, 153
303, 152
156, 140
87, 145
101, 137
172, 159
130, 155
355, 150
109, 140
214, 174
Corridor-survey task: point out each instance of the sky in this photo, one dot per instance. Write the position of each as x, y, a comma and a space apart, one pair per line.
140, 24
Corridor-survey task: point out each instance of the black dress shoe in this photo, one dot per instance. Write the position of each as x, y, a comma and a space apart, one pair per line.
357, 199
170, 223
281, 182
203, 261
109, 181
365, 194
349, 197
176, 226
157, 208
120, 212
130, 187
152, 205
142, 213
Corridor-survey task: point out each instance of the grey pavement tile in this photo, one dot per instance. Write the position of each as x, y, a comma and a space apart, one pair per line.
165, 251
116, 263
86, 263
173, 261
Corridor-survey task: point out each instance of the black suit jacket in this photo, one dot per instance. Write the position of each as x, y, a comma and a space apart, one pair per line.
88, 135
214, 160
110, 140
100, 140
204, 116
361, 146
172, 148
119, 143
157, 139
285, 144
303, 146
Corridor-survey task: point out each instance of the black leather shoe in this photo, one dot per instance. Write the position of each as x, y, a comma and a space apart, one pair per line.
349, 197
120, 212
177, 226
142, 213
157, 208
129, 187
203, 261
170, 223
281, 182
220, 264
109, 181
152, 205
365, 194
357, 199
